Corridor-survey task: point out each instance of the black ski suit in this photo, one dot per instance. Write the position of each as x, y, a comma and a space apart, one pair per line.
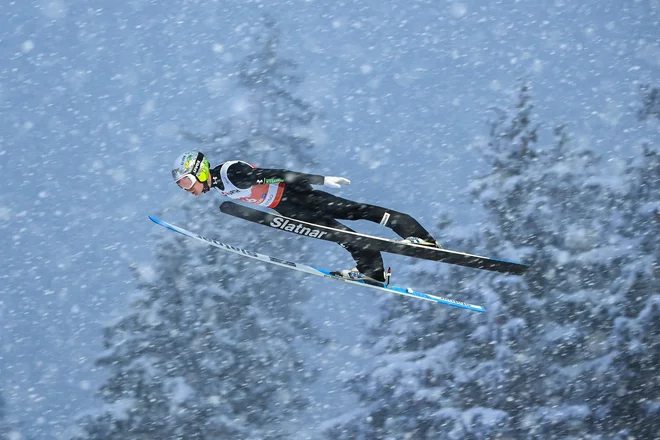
301, 201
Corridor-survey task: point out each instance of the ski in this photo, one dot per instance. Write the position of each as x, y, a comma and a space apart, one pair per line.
320, 232
316, 271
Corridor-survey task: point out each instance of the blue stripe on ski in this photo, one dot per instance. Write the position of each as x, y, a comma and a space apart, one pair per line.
409, 292
316, 271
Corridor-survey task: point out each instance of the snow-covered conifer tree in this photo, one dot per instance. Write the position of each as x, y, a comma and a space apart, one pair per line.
630, 386
202, 355
535, 363
650, 106
209, 349
433, 364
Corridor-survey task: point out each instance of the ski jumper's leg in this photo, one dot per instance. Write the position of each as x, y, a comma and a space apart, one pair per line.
402, 224
368, 261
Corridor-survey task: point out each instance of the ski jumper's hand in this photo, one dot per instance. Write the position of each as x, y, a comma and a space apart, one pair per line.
335, 182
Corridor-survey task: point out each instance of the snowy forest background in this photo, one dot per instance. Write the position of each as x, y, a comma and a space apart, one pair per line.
521, 130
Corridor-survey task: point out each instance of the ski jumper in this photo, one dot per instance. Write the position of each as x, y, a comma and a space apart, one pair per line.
291, 194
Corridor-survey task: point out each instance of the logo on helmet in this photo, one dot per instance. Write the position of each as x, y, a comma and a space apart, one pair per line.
195, 168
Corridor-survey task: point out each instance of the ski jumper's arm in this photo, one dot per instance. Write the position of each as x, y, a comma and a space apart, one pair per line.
244, 176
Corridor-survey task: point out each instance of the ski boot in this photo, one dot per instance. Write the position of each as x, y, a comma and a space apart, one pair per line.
420, 242
355, 275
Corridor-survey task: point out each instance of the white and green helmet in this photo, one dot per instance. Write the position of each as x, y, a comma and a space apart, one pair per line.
191, 163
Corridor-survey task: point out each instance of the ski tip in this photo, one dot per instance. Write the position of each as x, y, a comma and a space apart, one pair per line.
514, 263
226, 205
154, 219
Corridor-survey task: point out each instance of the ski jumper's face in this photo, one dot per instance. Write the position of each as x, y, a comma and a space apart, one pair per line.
196, 189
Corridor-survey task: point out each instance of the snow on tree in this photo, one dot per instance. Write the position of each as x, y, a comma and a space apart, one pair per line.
202, 355
210, 348
631, 397
420, 352
412, 392
550, 358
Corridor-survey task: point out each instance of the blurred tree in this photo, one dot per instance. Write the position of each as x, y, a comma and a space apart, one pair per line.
434, 365
650, 105
203, 354
567, 351
280, 124
631, 399
211, 346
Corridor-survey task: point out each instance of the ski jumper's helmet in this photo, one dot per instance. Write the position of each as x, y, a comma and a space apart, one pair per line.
191, 163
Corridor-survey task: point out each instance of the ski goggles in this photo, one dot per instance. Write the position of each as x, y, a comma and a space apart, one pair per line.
187, 181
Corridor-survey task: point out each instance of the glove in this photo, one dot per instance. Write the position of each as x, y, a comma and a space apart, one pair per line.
335, 182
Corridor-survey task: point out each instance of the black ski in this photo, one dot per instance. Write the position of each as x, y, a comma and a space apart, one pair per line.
320, 232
